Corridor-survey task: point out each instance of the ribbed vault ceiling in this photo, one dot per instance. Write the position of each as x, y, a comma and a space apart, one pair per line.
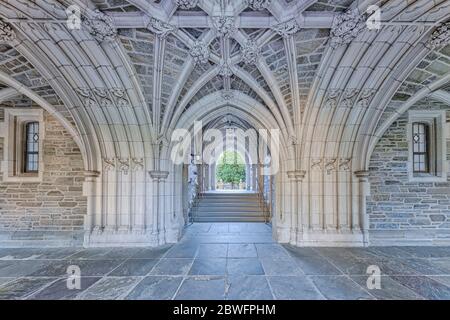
141, 64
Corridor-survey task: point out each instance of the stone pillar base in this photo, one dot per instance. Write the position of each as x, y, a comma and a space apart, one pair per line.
133, 238
327, 238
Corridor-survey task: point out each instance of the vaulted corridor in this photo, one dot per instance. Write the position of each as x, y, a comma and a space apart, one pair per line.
225, 149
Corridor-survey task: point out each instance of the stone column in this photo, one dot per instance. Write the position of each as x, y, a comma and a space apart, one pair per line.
206, 180
159, 223
200, 177
247, 177
254, 177
296, 179
363, 192
91, 190
213, 176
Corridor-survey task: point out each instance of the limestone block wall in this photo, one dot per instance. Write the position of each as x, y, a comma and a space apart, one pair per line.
401, 211
52, 210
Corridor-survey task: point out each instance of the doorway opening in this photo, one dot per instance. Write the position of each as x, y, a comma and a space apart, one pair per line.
231, 172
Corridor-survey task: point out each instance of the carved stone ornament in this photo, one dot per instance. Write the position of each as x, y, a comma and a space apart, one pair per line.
316, 164
258, 4
366, 97
101, 26
227, 95
250, 52
330, 165
103, 97
287, 28
350, 96
225, 70
200, 52
109, 164
7, 33
332, 98
160, 28
137, 164
344, 164
186, 4
346, 27
440, 37
86, 97
124, 165
224, 25
120, 97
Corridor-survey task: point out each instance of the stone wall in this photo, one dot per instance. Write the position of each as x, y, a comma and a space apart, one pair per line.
50, 212
403, 212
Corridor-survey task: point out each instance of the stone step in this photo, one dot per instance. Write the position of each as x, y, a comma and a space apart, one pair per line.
229, 198
226, 213
228, 204
229, 219
228, 207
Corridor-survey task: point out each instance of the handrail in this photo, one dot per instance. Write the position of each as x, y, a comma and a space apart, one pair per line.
199, 192
263, 202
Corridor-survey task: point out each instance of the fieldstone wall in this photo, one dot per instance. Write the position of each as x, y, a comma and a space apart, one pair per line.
50, 212
403, 212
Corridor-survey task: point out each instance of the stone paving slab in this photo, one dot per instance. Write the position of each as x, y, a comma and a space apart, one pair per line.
195, 269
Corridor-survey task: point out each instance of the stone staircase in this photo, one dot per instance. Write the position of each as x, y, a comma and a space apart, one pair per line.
228, 207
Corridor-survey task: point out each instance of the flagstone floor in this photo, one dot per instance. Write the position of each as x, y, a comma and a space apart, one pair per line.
226, 261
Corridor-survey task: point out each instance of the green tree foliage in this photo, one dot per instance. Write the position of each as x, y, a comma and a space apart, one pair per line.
230, 168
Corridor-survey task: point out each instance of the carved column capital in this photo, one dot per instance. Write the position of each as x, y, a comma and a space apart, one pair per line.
362, 174
91, 174
158, 175
296, 175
